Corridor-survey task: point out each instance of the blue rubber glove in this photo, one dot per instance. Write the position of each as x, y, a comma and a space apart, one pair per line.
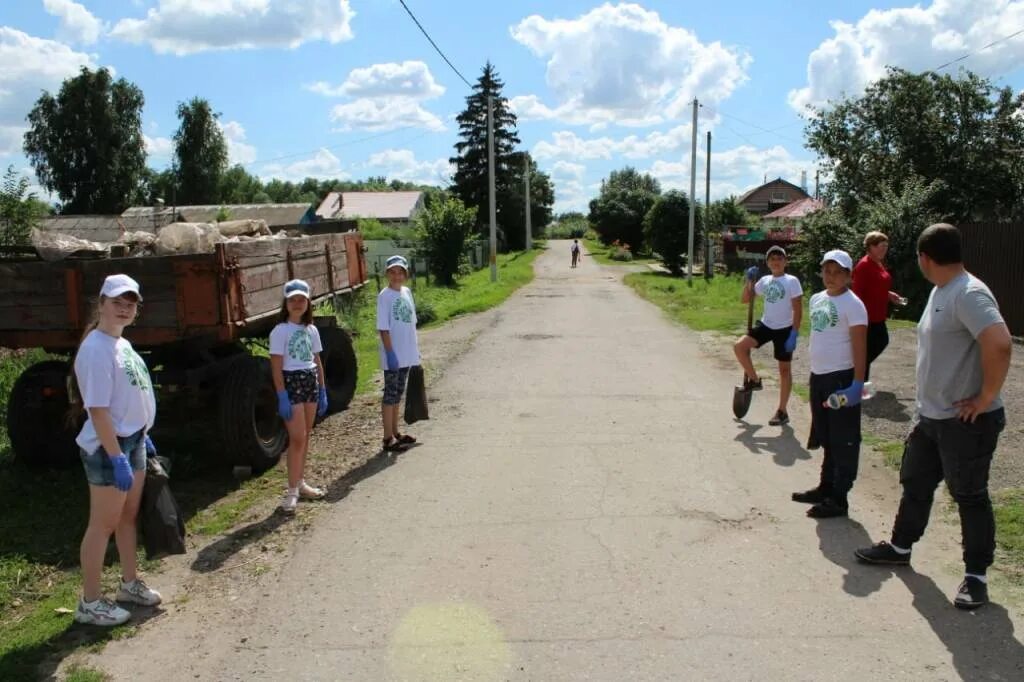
321, 404
853, 393
392, 359
284, 406
150, 448
790, 344
123, 476
752, 273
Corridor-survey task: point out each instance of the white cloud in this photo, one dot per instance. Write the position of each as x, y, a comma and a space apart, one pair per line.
567, 169
323, 164
401, 164
188, 26
566, 144
384, 113
623, 64
29, 65
77, 24
914, 38
238, 150
387, 96
159, 147
733, 171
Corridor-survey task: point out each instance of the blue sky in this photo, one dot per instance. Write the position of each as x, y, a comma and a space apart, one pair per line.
339, 88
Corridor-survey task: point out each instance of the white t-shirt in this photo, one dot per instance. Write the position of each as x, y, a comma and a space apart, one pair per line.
297, 344
831, 319
575, 247
396, 313
111, 374
778, 293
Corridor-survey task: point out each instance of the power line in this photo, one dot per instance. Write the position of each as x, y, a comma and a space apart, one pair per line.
980, 49
413, 16
338, 146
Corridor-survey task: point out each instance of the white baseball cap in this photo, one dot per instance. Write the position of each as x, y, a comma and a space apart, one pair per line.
840, 257
117, 285
296, 287
396, 262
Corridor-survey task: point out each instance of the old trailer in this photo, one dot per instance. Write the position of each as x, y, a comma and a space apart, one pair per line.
201, 315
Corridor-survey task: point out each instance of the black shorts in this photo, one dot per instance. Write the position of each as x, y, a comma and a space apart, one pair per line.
303, 386
778, 337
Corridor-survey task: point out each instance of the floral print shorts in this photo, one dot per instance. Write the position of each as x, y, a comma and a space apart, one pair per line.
302, 385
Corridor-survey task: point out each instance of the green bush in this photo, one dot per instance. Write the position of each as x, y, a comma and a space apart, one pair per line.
443, 230
666, 229
621, 253
425, 313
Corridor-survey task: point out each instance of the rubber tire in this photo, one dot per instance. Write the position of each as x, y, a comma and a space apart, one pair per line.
340, 367
36, 424
250, 428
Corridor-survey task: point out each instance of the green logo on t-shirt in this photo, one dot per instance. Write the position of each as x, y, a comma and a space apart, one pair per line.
135, 368
824, 315
775, 292
401, 310
300, 346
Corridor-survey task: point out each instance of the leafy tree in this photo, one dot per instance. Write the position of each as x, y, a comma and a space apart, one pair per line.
20, 210
728, 212
511, 198
667, 229
201, 153
617, 214
471, 165
262, 197
238, 186
443, 230
963, 131
821, 231
86, 143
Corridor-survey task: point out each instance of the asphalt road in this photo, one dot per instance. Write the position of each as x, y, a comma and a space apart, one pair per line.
584, 507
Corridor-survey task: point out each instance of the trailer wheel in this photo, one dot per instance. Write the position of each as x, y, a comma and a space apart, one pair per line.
340, 368
36, 413
253, 433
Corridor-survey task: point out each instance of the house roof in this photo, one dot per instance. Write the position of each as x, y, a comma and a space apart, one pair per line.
749, 193
97, 228
379, 205
797, 209
274, 214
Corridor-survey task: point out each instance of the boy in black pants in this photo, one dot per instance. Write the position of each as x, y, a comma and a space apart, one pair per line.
838, 352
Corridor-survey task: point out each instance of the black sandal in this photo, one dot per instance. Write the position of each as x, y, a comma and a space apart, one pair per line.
391, 445
405, 439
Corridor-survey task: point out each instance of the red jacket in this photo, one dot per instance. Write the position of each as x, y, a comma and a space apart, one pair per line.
872, 284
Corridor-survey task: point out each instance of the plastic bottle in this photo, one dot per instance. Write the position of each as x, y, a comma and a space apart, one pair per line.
837, 400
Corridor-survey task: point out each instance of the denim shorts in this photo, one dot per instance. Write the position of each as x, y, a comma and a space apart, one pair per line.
394, 385
98, 469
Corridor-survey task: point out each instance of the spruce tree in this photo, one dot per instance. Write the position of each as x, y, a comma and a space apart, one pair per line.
470, 181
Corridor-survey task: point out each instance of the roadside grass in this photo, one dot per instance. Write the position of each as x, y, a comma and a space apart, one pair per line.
1009, 509
890, 450
79, 673
599, 252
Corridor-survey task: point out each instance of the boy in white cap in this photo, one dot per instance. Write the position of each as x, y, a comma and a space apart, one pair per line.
838, 350
399, 348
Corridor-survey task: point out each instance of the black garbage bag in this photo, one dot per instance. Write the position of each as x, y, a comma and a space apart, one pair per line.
163, 528
416, 396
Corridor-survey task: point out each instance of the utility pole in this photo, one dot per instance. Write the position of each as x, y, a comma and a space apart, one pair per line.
529, 226
817, 177
693, 191
490, 188
709, 265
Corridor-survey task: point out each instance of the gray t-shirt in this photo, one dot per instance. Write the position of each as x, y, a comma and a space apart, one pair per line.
948, 354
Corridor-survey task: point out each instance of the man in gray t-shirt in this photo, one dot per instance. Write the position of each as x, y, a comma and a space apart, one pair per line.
963, 357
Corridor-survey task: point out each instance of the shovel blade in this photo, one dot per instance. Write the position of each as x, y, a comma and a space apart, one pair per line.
741, 402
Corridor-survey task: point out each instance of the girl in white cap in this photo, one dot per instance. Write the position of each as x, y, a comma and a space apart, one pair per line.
298, 376
399, 348
112, 387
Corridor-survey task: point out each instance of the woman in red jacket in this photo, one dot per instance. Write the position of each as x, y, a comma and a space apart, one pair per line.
872, 284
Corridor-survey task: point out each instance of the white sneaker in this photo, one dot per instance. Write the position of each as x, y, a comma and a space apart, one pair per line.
308, 492
100, 612
137, 592
290, 500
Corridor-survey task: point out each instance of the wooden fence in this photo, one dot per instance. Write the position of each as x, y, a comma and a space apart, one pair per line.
994, 252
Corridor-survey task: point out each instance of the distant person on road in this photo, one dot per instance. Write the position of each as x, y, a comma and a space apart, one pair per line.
301, 386
963, 356
399, 348
112, 387
838, 350
779, 324
575, 250
873, 285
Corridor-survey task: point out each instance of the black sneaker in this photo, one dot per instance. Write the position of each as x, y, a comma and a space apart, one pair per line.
827, 509
779, 419
751, 385
972, 594
812, 496
882, 553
